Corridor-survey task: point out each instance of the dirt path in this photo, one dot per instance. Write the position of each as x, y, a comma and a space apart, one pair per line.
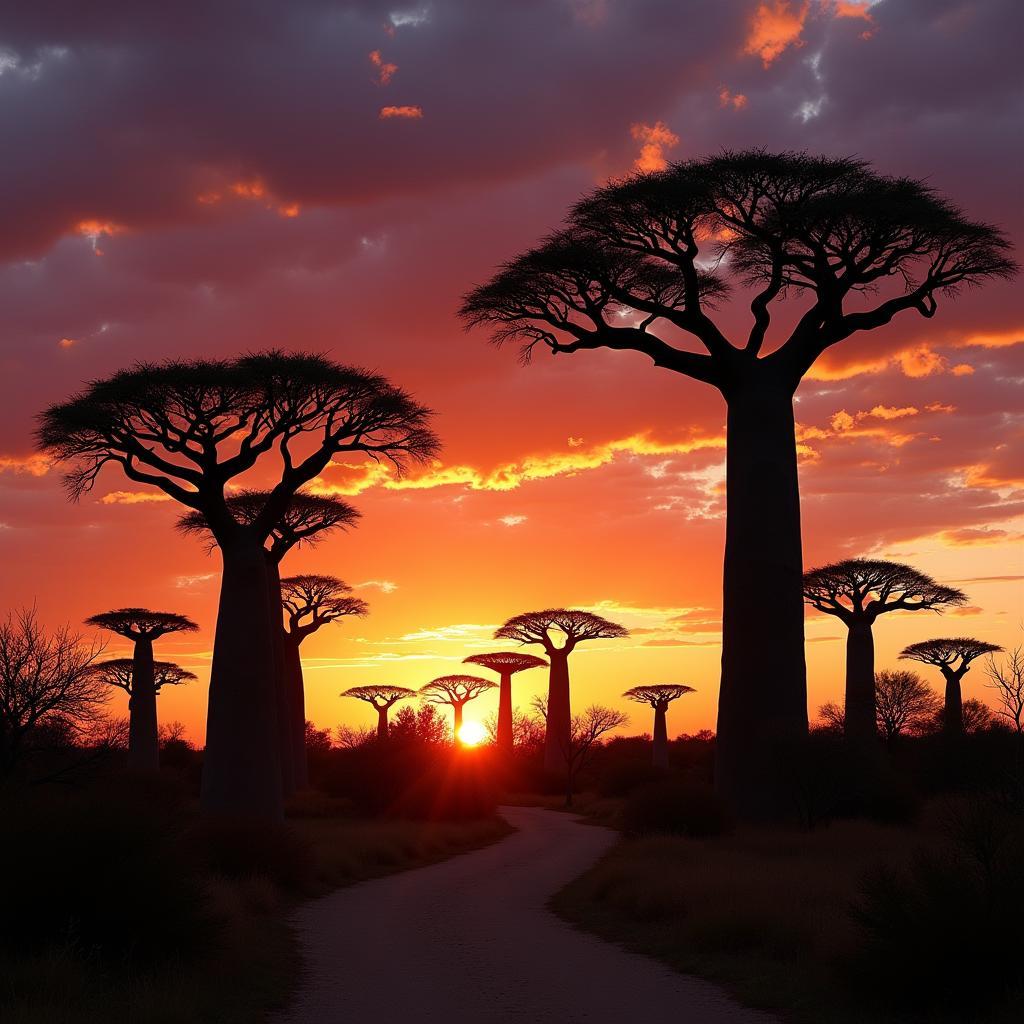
470, 939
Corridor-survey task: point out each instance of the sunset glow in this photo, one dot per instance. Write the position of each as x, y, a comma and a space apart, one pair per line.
472, 733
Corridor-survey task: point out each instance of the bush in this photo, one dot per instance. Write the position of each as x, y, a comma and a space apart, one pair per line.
674, 807
239, 849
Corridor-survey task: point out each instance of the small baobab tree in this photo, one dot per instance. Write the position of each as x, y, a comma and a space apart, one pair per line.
544, 628
857, 591
659, 696
506, 664
642, 264
952, 656
456, 691
382, 698
142, 627
191, 429
304, 521
903, 703
309, 601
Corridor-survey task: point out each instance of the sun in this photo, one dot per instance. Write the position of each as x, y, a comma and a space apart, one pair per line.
472, 734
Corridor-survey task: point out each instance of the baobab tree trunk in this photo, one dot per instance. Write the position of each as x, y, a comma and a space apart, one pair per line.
296, 743
456, 721
241, 765
953, 709
504, 737
660, 737
762, 707
382, 722
859, 721
282, 688
558, 726
143, 741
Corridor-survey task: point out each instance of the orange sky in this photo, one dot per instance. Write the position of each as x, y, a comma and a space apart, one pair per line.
348, 203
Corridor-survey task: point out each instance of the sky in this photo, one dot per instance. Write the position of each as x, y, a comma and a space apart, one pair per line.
203, 179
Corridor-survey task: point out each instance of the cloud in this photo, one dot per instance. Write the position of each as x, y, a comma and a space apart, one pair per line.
384, 586
729, 99
134, 497
513, 520
385, 70
775, 26
31, 465
654, 139
189, 582
408, 113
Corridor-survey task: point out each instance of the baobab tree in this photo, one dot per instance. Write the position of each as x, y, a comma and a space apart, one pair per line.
641, 266
456, 691
659, 696
309, 601
382, 698
190, 429
903, 703
543, 628
506, 664
857, 591
305, 520
952, 656
142, 627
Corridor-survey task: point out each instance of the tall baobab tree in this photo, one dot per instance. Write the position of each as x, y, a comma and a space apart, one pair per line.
902, 702
857, 591
506, 664
641, 266
382, 698
305, 520
952, 657
309, 601
659, 697
191, 429
142, 627
543, 628
456, 691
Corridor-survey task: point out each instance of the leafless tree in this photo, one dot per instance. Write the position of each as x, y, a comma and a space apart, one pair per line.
903, 703
193, 428
506, 664
545, 628
953, 657
527, 731
46, 681
349, 738
382, 698
306, 519
641, 266
831, 718
857, 591
1007, 679
456, 691
585, 733
659, 696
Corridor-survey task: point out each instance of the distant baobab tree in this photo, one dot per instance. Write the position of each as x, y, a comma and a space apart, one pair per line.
382, 698
192, 428
659, 696
903, 703
142, 627
506, 664
952, 657
857, 591
305, 520
538, 628
646, 260
309, 602
456, 691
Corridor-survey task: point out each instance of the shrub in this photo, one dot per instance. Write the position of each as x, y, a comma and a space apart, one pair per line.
674, 807
240, 849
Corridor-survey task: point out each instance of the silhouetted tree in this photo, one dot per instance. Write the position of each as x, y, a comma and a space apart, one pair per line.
903, 703
527, 731
659, 697
424, 725
382, 698
585, 732
1007, 679
309, 601
456, 691
537, 628
641, 266
190, 429
857, 591
831, 718
318, 741
952, 657
506, 664
46, 680
142, 627
306, 518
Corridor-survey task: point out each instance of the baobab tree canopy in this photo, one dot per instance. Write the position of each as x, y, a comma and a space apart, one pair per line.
455, 689
574, 624
305, 519
671, 244
860, 587
141, 623
312, 601
380, 695
947, 652
505, 662
659, 694
119, 672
